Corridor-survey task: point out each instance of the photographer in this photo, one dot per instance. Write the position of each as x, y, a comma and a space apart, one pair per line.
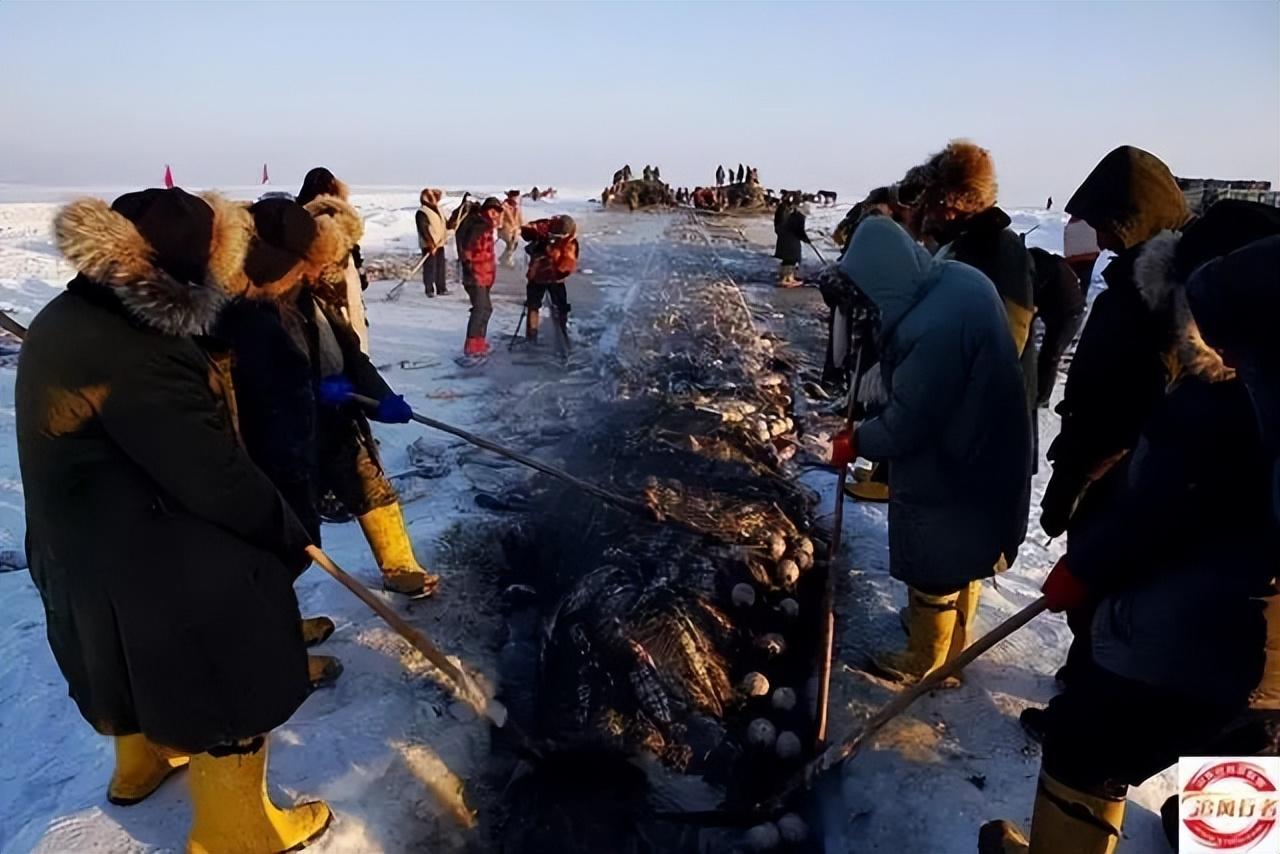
553, 257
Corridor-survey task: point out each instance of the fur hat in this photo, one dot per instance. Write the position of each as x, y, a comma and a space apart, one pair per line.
491, 203
427, 196
338, 229
288, 244
962, 177
170, 257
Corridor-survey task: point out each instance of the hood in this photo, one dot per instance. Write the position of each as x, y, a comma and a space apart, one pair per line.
1164, 293
888, 266
1235, 299
338, 230
1132, 193
107, 248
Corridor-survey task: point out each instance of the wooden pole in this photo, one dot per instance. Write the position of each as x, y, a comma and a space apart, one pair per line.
826, 641
837, 753
490, 708
630, 505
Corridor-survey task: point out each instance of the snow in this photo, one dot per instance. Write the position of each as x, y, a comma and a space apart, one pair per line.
400, 763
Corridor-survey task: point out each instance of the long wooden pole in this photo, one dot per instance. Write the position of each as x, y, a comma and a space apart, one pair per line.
630, 505
490, 708
837, 753
827, 639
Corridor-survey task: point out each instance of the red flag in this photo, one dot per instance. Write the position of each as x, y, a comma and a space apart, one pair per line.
168, 177
265, 179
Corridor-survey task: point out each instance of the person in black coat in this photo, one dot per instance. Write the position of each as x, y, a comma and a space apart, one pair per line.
164, 557
1060, 305
1187, 539
1139, 341
956, 205
1119, 370
789, 226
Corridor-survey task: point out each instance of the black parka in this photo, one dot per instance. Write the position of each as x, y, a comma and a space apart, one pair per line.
789, 224
164, 557
1121, 366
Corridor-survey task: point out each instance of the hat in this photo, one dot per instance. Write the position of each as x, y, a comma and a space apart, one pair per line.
563, 226
511, 193
338, 229
962, 177
284, 234
491, 203
169, 256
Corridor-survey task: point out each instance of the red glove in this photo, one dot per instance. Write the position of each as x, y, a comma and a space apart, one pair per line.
844, 448
1063, 590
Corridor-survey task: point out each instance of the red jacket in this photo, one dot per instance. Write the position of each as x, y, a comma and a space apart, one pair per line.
475, 251
558, 258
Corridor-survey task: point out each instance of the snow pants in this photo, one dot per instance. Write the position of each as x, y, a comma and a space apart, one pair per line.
434, 273
481, 310
1106, 733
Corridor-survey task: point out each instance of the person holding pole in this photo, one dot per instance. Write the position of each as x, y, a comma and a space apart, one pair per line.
553, 258
432, 235
1180, 563
164, 557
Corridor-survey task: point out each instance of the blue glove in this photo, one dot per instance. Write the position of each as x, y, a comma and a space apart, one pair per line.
393, 410
335, 390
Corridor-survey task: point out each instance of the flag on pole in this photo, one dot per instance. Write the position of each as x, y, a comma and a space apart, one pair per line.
168, 177
265, 179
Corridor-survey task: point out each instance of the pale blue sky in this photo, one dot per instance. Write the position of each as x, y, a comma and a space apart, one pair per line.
831, 95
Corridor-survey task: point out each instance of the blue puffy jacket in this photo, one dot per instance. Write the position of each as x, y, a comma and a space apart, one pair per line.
955, 426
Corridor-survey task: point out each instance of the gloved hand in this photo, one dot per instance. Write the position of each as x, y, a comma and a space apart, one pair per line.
844, 448
335, 390
1064, 591
393, 410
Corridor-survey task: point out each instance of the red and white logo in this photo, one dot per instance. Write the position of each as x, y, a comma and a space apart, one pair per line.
1229, 805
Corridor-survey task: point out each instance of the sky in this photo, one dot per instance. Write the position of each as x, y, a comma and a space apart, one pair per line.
842, 96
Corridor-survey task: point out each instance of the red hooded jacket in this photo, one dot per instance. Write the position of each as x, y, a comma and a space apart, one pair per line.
475, 250
557, 261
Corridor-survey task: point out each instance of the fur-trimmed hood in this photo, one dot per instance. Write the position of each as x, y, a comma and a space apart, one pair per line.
106, 248
1164, 291
339, 231
1166, 262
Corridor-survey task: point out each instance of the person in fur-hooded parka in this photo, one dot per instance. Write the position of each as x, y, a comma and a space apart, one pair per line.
345, 292
164, 556
348, 460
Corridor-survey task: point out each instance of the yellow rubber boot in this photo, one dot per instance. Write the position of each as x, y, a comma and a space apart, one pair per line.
141, 766
232, 814
1065, 821
932, 621
868, 490
966, 614
388, 537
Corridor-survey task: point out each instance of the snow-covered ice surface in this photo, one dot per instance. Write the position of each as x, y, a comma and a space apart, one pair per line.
399, 762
